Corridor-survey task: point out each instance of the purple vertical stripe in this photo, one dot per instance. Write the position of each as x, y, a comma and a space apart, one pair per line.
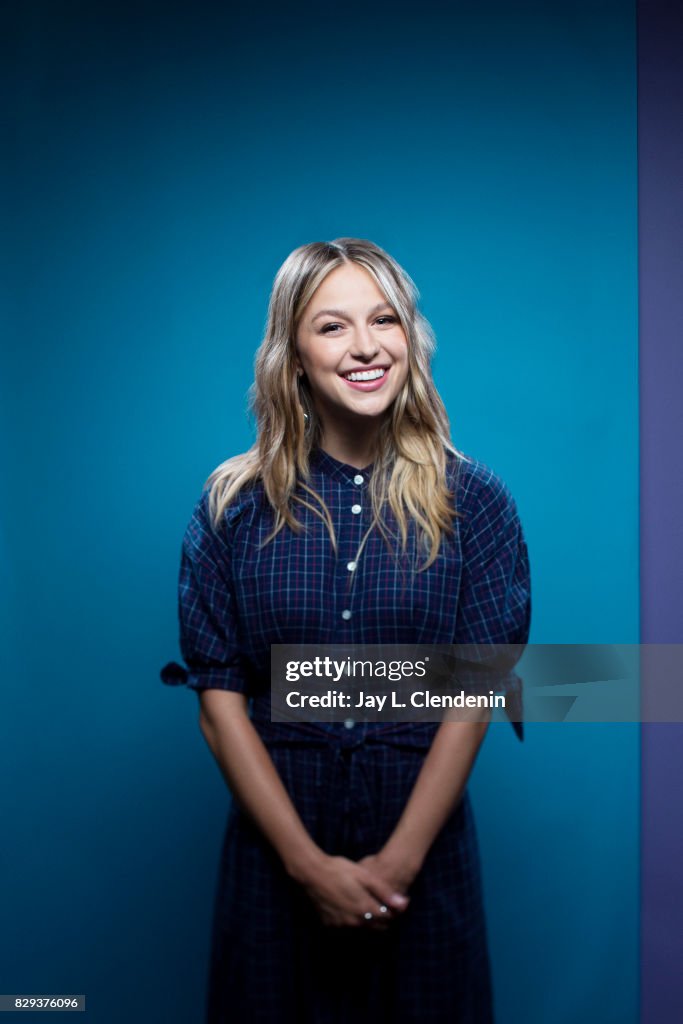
660, 158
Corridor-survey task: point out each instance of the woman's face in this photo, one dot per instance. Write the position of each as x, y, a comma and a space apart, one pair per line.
351, 347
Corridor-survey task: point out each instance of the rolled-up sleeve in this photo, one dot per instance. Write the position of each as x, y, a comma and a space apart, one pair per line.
494, 603
209, 631
495, 596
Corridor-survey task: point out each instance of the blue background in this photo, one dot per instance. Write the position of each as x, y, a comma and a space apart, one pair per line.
162, 166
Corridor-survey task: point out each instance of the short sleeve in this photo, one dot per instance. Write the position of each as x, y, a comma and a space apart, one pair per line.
209, 640
494, 603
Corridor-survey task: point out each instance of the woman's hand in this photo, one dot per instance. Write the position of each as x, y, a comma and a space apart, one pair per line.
343, 892
396, 872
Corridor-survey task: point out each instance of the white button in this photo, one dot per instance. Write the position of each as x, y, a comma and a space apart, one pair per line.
358, 479
346, 614
351, 566
349, 723
355, 509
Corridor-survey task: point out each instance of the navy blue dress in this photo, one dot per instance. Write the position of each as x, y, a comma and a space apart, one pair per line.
272, 960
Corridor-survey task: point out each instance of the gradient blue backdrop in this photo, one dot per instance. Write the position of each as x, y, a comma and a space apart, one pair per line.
162, 166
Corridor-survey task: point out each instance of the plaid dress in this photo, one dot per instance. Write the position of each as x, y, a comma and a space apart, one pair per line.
272, 960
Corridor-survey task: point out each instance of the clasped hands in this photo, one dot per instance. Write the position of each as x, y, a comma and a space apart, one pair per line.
345, 892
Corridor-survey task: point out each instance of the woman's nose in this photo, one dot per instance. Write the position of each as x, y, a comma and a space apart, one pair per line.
364, 344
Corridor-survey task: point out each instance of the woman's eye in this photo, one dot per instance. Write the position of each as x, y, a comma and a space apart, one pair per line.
382, 321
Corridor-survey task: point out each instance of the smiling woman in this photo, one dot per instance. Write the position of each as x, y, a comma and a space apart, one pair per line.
337, 308
356, 366
349, 886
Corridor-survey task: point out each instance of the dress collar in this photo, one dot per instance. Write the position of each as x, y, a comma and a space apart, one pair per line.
323, 462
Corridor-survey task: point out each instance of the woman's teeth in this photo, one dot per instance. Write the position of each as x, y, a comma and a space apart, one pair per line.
365, 375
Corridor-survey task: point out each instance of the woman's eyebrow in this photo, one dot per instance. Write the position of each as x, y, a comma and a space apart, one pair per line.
345, 316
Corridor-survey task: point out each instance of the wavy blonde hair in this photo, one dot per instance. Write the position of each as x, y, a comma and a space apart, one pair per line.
409, 470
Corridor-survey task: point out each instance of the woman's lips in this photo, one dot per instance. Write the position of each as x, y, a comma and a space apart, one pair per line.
368, 385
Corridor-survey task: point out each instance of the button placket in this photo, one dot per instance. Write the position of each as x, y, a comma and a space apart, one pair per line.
348, 552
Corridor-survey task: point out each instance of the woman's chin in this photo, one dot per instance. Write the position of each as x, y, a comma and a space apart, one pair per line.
366, 415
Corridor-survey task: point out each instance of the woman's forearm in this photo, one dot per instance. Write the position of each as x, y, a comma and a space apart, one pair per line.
439, 787
342, 890
253, 779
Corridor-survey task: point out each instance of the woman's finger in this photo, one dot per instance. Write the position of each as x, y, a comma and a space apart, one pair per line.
384, 893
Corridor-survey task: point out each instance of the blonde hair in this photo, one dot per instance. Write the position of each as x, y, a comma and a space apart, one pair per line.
410, 465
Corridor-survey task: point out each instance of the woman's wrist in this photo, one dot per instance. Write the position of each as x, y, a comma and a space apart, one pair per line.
303, 861
401, 861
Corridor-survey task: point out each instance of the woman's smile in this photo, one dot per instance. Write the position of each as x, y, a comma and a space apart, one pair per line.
371, 379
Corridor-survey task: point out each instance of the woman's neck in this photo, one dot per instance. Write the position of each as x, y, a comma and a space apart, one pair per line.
353, 447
